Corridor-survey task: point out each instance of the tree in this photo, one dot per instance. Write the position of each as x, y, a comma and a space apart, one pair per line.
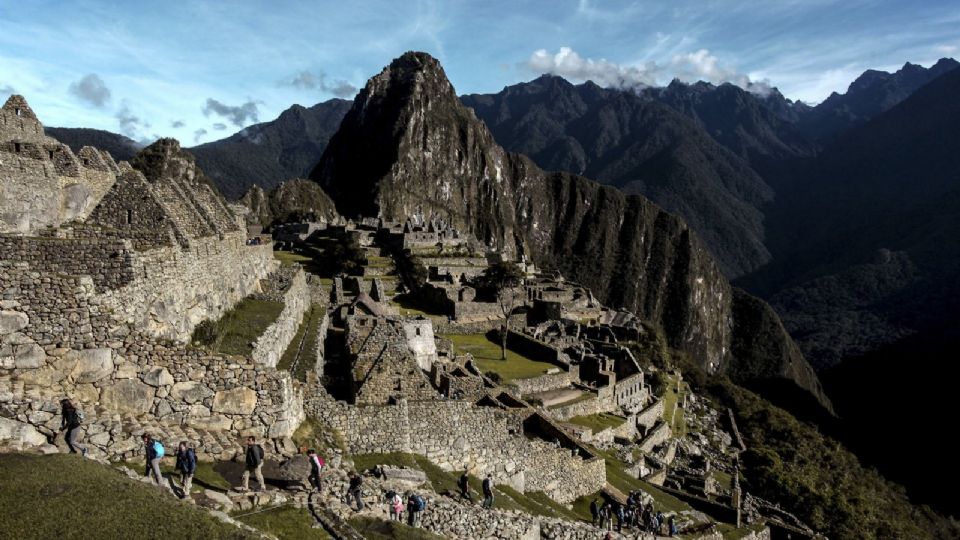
502, 280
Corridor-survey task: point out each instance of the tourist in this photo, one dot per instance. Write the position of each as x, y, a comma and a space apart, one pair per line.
488, 491
618, 512
464, 485
316, 467
254, 465
412, 509
395, 505
606, 516
672, 526
595, 512
355, 490
153, 449
70, 420
187, 465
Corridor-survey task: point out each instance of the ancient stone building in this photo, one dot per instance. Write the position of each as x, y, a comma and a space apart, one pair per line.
105, 270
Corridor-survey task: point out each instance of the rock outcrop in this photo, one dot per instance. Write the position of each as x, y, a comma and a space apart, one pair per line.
408, 146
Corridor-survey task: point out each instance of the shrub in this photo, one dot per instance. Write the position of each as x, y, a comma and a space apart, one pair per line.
205, 333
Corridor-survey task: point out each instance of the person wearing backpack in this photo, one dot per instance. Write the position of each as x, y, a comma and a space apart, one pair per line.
254, 465
187, 465
355, 489
153, 449
488, 491
464, 484
415, 505
70, 420
316, 467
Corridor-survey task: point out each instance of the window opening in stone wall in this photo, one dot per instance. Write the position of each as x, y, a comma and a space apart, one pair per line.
16, 147
50, 153
18, 111
129, 216
418, 331
86, 162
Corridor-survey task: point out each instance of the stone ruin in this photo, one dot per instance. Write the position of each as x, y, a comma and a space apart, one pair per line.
105, 272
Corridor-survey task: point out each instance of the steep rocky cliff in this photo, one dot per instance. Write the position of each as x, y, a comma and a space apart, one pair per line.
408, 145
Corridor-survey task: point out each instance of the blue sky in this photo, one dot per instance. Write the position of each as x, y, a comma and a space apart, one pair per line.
202, 70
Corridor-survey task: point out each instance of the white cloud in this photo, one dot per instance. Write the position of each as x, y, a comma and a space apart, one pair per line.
946, 49
690, 67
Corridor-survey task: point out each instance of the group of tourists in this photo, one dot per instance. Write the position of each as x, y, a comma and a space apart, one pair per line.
632, 515
463, 483
415, 506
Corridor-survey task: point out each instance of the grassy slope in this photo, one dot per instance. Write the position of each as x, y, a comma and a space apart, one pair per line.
243, 324
818, 479
286, 523
307, 333
598, 422
63, 496
486, 354
375, 529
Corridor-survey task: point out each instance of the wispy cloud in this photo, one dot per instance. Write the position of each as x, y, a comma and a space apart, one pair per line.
219, 126
177, 124
131, 124
696, 65
6, 89
198, 134
237, 115
309, 80
91, 89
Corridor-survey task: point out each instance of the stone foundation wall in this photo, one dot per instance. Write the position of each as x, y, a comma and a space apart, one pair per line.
454, 434
173, 290
107, 262
649, 416
271, 345
321, 351
56, 342
658, 435
541, 383
581, 408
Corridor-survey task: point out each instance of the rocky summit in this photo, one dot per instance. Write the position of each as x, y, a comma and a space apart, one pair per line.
408, 146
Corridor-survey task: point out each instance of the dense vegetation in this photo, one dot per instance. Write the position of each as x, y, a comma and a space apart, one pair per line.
816, 477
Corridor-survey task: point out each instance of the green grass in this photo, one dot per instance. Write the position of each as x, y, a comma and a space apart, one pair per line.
618, 478
670, 400
242, 325
584, 396
204, 477
65, 496
376, 529
486, 354
598, 422
724, 479
287, 258
307, 333
286, 522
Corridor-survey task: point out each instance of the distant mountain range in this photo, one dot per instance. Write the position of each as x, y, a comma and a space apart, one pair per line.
266, 154
121, 148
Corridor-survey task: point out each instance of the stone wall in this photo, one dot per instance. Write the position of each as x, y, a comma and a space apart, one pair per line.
174, 289
384, 368
321, 349
56, 341
658, 435
541, 383
649, 416
270, 346
106, 262
454, 434
580, 408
